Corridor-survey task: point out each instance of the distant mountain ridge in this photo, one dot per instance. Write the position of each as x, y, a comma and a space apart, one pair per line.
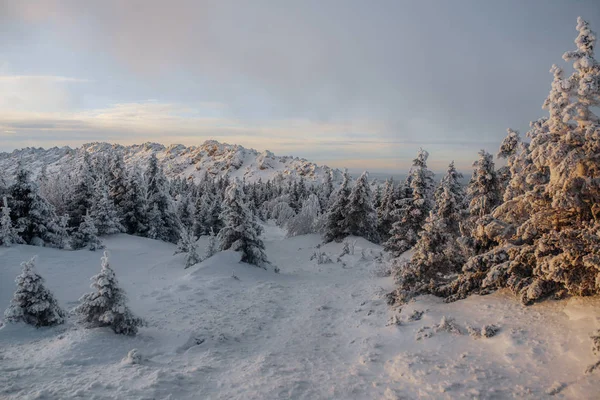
212, 157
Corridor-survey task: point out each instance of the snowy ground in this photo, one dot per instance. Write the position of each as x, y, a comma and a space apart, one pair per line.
310, 332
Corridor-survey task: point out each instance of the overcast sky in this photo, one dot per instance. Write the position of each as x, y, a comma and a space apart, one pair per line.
361, 84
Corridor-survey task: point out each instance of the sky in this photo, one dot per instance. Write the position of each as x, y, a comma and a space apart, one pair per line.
357, 84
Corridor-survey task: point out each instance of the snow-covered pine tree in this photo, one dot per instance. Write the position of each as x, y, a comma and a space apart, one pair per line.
361, 218
9, 235
188, 244
326, 191
385, 218
212, 248
104, 212
62, 233
203, 218
437, 257
33, 217
106, 306
185, 209
135, 203
240, 231
83, 193
518, 160
307, 219
548, 241
86, 235
117, 182
32, 303
335, 228
411, 212
160, 200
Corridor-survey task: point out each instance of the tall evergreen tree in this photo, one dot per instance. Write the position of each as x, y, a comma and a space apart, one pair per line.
86, 235
164, 222
135, 204
411, 212
32, 303
8, 234
361, 218
106, 306
336, 228
104, 211
240, 231
385, 212
83, 193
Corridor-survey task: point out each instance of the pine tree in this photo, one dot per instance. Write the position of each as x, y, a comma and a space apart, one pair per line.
106, 306
326, 191
385, 216
545, 238
32, 303
86, 235
188, 244
211, 250
104, 212
240, 231
411, 212
8, 234
135, 204
335, 228
307, 219
117, 182
361, 218
33, 217
62, 233
83, 193
165, 224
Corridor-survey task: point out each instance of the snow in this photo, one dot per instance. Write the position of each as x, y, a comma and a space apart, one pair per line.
226, 330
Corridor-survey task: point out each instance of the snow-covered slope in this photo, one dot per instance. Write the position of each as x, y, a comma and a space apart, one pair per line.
310, 332
213, 157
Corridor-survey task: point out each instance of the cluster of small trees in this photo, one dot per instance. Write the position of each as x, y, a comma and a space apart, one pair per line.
531, 226
105, 306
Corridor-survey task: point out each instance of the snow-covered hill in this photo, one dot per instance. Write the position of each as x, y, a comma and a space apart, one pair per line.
225, 330
217, 159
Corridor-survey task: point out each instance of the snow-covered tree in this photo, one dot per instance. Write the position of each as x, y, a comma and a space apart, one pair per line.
336, 228
164, 220
385, 217
513, 175
104, 212
307, 219
212, 247
185, 209
117, 182
9, 235
411, 212
33, 217
62, 233
546, 236
188, 244
106, 306
86, 235
361, 218
135, 204
32, 303
437, 257
326, 191
83, 193
240, 231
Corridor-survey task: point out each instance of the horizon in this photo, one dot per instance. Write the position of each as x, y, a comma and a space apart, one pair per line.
345, 84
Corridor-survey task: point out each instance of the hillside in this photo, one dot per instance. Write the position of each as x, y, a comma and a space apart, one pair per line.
310, 332
216, 159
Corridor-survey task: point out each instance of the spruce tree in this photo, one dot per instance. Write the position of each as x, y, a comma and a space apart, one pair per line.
336, 228
385, 216
135, 204
83, 193
32, 303
9, 235
86, 235
188, 244
240, 231
411, 212
117, 183
361, 218
306, 220
106, 306
164, 221
212, 247
106, 216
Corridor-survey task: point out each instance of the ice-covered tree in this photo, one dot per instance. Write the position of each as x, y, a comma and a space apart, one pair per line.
240, 231
411, 212
104, 211
32, 302
513, 175
164, 221
32, 215
106, 305
62, 233
307, 219
385, 218
9, 235
361, 218
188, 244
547, 236
83, 192
86, 235
336, 228
326, 191
212, 247
117, 182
